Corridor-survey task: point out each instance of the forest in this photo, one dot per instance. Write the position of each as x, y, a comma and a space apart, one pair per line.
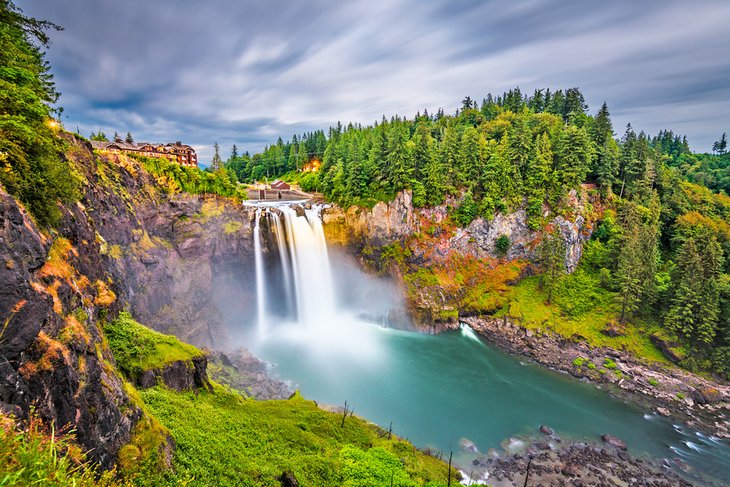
662, 244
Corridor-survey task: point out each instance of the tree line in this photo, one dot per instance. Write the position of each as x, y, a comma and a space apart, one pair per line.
662, 245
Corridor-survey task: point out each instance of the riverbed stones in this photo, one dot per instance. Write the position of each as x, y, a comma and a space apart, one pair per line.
546, 430
614, 441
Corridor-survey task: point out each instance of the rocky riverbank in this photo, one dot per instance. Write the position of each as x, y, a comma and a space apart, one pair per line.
700, 403
573, 464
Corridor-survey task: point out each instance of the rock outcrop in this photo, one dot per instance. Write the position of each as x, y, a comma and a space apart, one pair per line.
180, 263
389, 222
181, 375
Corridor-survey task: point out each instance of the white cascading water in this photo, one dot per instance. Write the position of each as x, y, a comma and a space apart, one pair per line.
316, 324
260, 277
283, 257
315, 296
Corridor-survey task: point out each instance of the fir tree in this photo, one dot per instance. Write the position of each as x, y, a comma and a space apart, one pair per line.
551, 253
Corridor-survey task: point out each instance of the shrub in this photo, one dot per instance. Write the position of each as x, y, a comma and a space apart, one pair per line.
578, 362
466, 212
502, 245
591, 365
609, 364
653, 382
680, 396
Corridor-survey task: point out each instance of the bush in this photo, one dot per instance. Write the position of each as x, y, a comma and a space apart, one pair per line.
609, 364
502, 245
653, 382
466, 212
578, 362
591, 365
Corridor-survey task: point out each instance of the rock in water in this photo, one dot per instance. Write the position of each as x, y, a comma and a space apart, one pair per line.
546, 430
467, 445
614, 441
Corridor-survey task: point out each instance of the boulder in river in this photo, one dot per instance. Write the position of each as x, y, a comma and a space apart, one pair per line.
467, 445
546, 430
614, 441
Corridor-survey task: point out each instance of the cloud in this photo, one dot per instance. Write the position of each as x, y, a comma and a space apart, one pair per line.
248, 72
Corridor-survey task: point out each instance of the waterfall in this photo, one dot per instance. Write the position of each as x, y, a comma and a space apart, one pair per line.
281, 243
314, 291
260, 277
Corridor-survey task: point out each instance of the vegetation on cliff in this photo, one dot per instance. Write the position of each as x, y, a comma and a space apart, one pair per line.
31, 163
661, 244
137, 348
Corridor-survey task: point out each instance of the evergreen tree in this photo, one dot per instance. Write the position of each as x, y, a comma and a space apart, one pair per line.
234, 153
399, 162
128, 139
216, 163
421, 150
720, 146
573, 157
551, 254
638, 257
302, 157
470, 156
449, 153
538, 179
117, 137
695, 303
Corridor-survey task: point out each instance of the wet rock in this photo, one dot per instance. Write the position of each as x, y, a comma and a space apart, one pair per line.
467, 445
663, 411
707, 395
546, 430
614, 441
181, 375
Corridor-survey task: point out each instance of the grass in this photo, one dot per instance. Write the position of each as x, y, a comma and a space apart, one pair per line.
137, 348
584, 320
251, 443
39, 456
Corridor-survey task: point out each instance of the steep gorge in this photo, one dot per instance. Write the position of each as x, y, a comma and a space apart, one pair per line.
127, 244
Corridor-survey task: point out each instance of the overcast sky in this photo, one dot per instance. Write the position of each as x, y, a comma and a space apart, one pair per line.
247, 72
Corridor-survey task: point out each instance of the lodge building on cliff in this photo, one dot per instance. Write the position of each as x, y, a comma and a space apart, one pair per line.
183, 154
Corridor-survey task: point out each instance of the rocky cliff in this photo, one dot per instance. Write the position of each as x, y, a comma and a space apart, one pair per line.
180, 263
389, 222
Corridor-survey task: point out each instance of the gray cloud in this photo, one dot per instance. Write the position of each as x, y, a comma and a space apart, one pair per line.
248, 72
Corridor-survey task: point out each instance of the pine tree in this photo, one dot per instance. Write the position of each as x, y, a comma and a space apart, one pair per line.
604, 167
573, 157
638, 257
128, 139
234, 153
470, 156
695, 305
421, 150
449, 153
216, 163
720, 146
538, 179
302, 157
551, 254
398, 157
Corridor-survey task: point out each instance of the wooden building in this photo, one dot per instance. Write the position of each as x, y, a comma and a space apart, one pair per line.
178, 152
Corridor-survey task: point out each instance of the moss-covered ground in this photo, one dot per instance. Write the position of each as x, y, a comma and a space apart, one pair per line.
224, 439
579, 310
136, 348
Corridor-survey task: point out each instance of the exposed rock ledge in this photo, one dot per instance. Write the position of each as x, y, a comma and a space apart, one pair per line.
181, 375
700, 403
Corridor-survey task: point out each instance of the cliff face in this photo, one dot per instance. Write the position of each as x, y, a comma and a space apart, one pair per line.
180, 263
389, 222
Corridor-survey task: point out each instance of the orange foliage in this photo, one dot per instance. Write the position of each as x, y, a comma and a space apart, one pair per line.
57, 264
104, 295
51, 351
74, 330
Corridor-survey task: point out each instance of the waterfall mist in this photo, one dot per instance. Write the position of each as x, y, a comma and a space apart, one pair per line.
311, 300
